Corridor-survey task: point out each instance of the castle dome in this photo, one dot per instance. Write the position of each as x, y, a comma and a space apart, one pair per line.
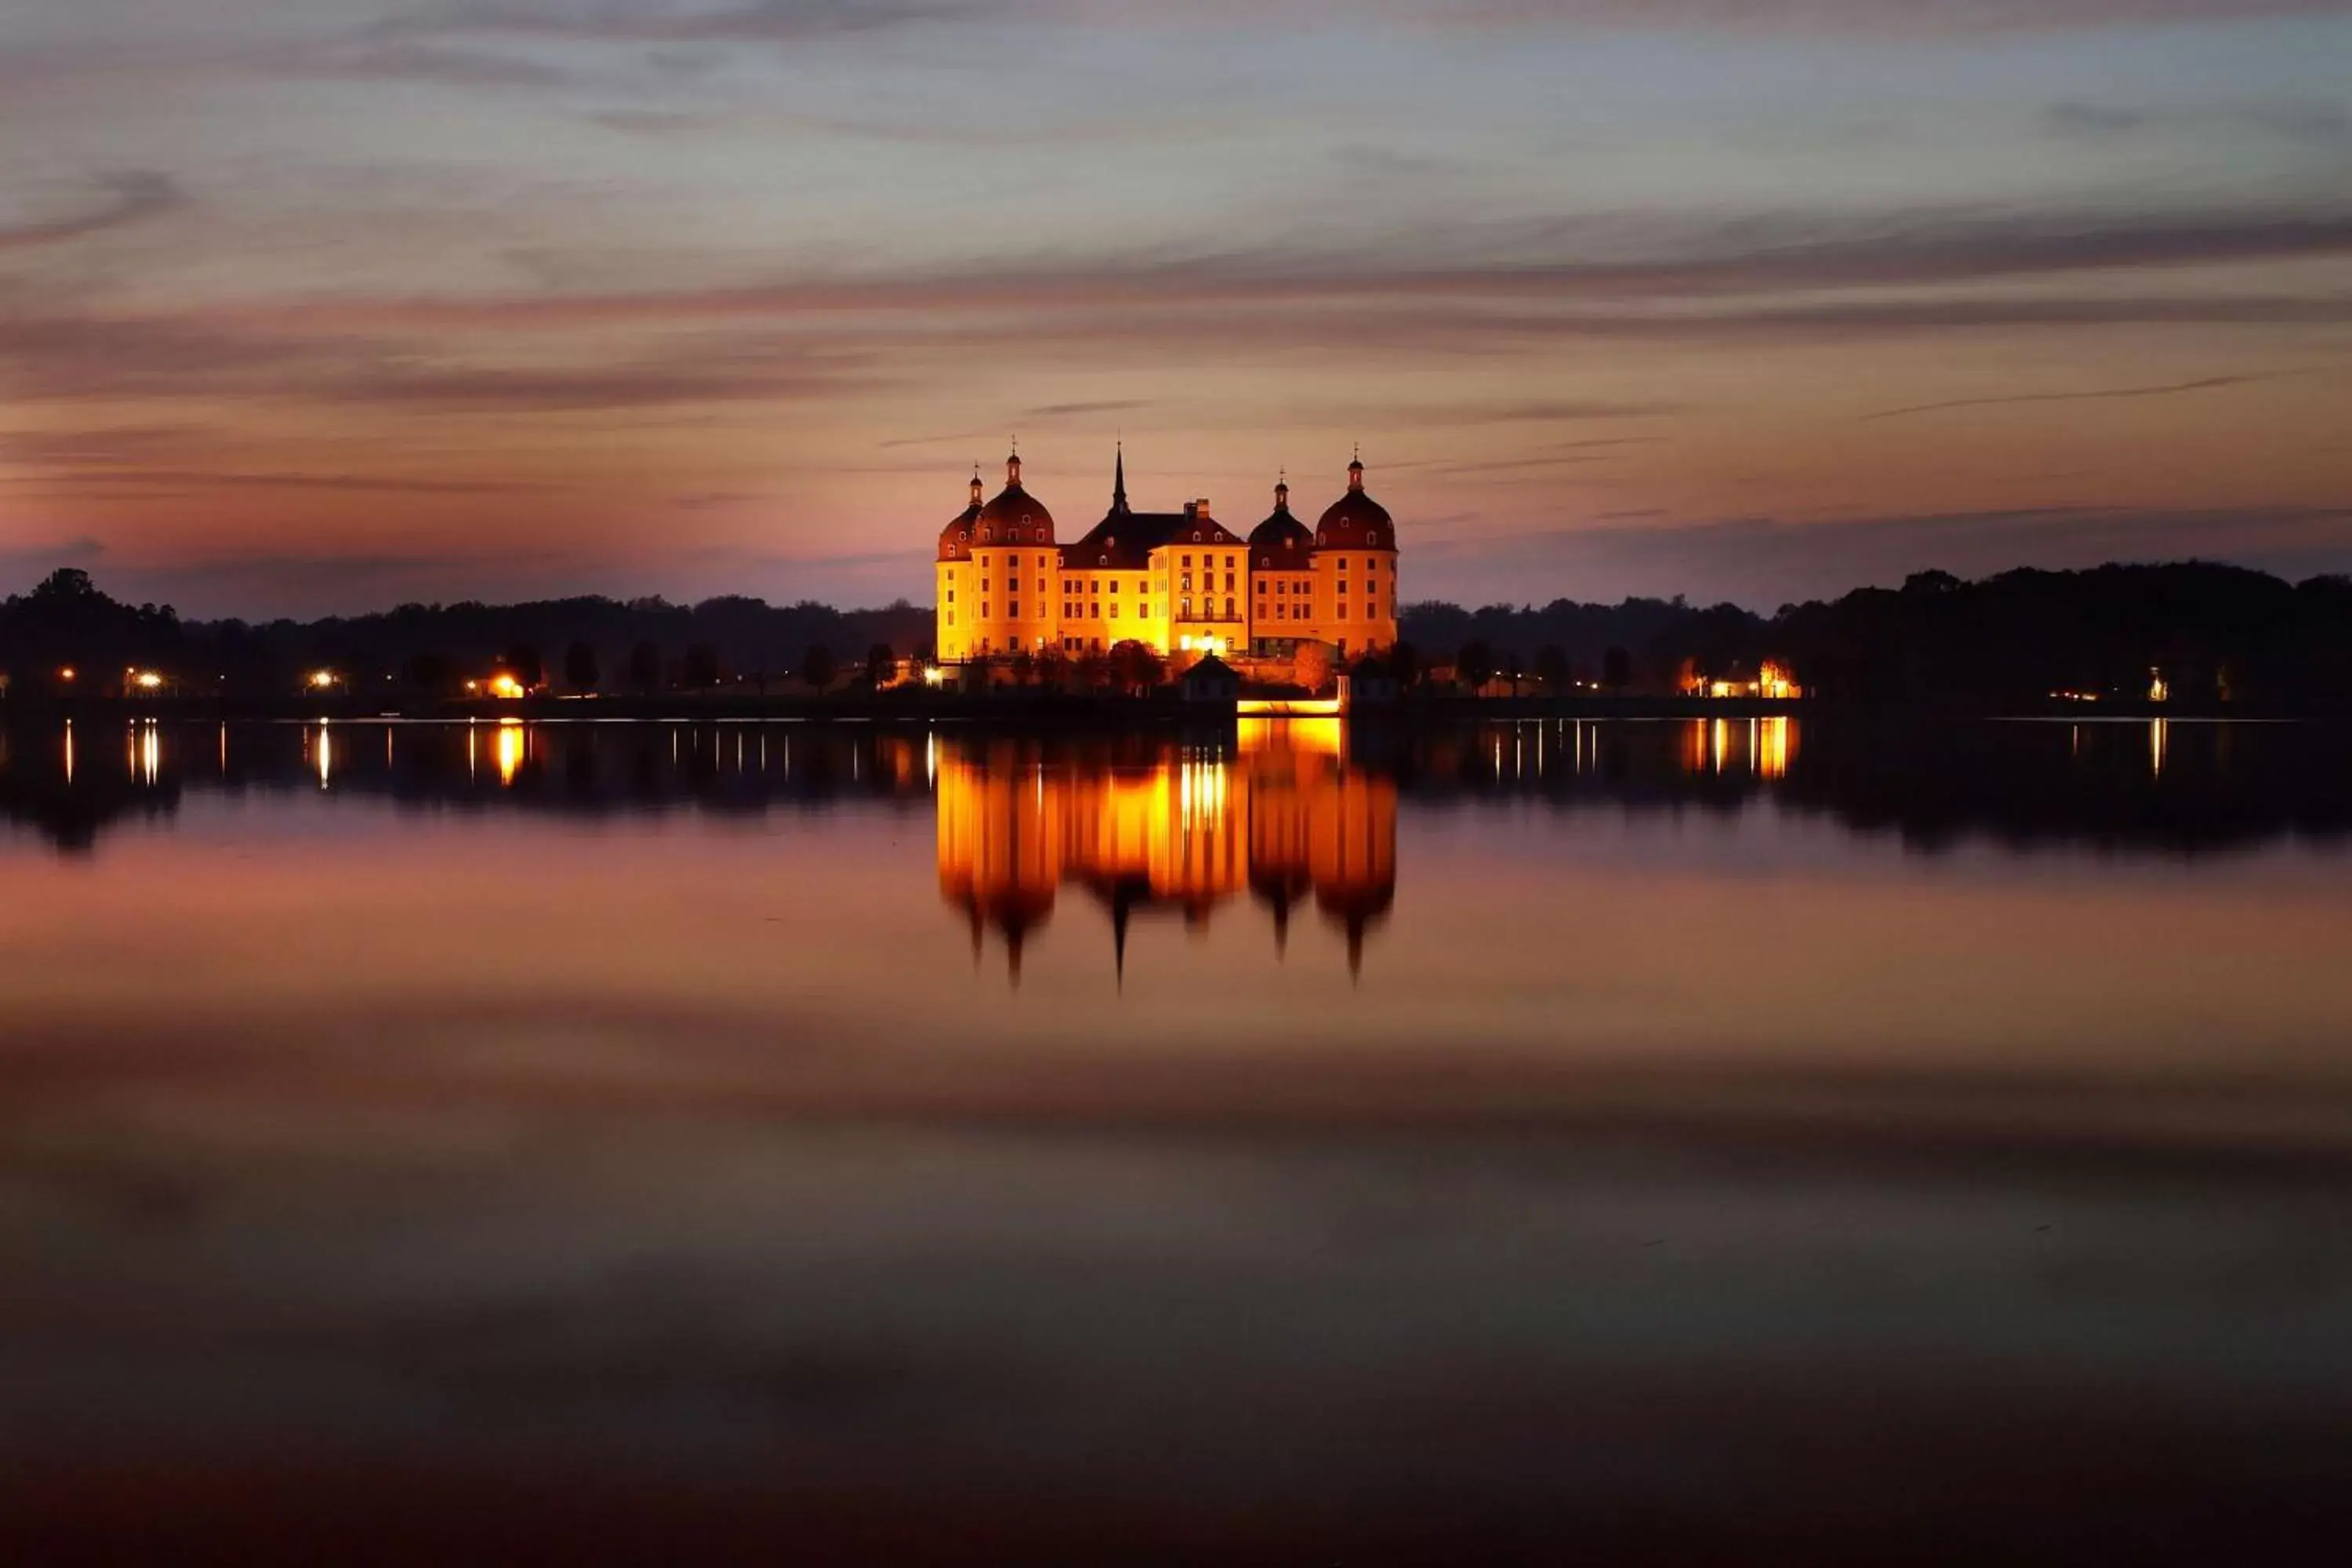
1355, 521
1014, 516
1281, 541
956, 538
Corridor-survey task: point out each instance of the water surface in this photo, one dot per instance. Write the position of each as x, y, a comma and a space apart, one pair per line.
934, 1142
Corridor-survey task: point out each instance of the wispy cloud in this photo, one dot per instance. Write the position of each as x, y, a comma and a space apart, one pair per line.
2169, 389
1781, 254
131, 197
673, 22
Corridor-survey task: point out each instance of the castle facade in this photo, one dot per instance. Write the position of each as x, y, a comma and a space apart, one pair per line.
1178, 582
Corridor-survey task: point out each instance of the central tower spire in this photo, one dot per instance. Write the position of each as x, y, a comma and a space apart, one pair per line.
1119, 480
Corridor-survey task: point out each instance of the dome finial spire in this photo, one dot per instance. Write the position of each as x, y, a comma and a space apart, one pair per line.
1118, 478
1013, 464
1356, 468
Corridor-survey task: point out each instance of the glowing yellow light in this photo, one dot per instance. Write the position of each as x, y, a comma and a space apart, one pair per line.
147, 681
934, 675
505, 684
323, 678
67, 673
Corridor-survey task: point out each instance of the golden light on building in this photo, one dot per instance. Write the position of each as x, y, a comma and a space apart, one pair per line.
504, 684
2159, 691
324, 679
147, 681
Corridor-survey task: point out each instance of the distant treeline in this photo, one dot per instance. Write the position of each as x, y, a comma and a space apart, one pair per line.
2211, 633
68, 622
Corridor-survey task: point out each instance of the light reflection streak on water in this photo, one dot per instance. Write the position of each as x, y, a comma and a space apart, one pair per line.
2157, 734
514, 742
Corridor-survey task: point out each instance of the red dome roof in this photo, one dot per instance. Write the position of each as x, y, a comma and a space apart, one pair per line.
1281, 541
1355, 521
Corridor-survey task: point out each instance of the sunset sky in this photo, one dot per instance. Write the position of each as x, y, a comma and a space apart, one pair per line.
321, 305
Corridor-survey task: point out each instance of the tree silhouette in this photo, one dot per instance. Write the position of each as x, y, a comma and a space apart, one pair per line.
1136, 667
581, 670
1405, 664
817, 668
646, 667
701, 669
65, 583
1516, 668
522, 661
1616, 668
1552, 666
879, 664
1475, 665
430, 671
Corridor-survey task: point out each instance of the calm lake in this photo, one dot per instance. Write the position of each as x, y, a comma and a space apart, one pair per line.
1289, 1143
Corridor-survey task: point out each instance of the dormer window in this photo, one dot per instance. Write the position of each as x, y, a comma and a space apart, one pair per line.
1373, 538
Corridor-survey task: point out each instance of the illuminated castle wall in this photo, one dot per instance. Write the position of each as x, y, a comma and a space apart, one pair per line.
1284, 821
1177, 581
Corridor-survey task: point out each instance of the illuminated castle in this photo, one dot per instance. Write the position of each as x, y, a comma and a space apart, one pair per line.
1177, 581
1174, 830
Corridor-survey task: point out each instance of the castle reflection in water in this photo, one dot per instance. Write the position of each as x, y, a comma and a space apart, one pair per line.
1282, 820
1278, 817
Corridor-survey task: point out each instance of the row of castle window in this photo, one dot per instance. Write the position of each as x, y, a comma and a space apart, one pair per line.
1292, 610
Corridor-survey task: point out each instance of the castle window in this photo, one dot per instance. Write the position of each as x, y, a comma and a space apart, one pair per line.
1188, 561
1012, 611
962, 534
1103, 562
1196, 536
1229, 609
983, 611
1261, 587
1373, 538
1187, 613
1265, 562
